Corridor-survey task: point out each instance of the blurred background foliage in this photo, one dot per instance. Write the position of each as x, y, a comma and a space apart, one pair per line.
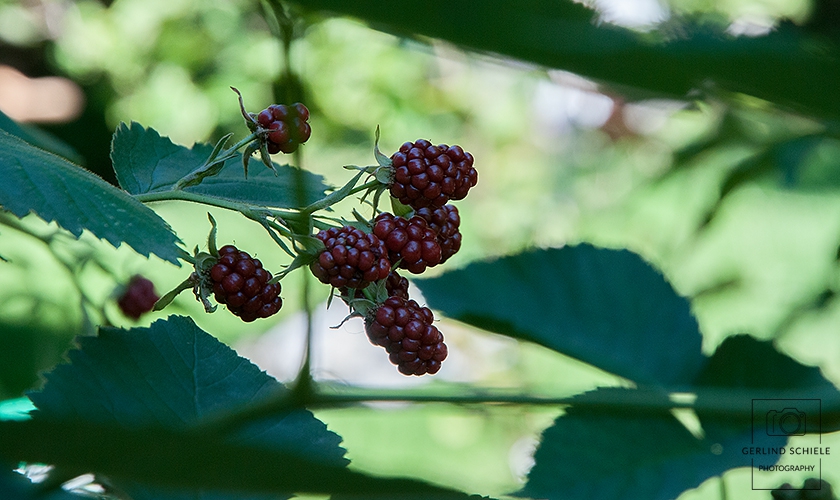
730, 184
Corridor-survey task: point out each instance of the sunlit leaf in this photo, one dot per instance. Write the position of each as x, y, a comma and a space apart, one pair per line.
145, 162
608, 308
56, 190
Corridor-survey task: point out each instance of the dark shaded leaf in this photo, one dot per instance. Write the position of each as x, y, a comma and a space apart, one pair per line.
56, 190
625, 454
789, 66
742, 361
145, 163
188, 461
608, 308
39, 138
752, 378
172, 375
14, 486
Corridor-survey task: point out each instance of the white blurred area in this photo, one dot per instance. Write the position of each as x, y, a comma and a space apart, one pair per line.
344, 354
636, 14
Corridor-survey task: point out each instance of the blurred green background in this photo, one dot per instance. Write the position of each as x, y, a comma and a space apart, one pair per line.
735, 199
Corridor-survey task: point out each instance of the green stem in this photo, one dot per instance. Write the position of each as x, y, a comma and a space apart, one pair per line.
213, 164
340, 194
732, 404
244, 208
367, 185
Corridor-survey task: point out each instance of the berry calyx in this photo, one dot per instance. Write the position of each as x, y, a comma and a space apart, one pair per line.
286, 127
351, 258
241, 282
425, 175
395, 285
445, 222
409, 241
138, 298
407, 332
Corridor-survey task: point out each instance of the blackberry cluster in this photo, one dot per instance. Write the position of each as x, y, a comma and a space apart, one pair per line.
351, 258
242, 283
138, 298
445, 222
407, 332
409, 241
426, 175
287, 127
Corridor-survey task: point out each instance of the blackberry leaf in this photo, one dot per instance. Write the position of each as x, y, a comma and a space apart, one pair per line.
57, 190
605, 307
145, 162
171, 376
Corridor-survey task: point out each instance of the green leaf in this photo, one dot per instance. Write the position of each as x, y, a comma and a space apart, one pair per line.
760, 371
746, 362
145, 162
192, 460
789, 65
57, 190
601, 455
608, 308
39, 138
173, 374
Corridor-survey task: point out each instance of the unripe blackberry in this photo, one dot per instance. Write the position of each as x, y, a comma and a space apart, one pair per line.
429, 176
286, 127
138, 298
407, 332
410, 241
445, 222
351, 258
240, 282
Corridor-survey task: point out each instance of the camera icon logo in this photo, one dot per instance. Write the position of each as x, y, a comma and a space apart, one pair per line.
787, 422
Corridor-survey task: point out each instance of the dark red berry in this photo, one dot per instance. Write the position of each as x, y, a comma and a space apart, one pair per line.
429, 176
409, 241
445, 222
351, 258
408, 334
240, 282
138, 298
286, 127
397, 285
